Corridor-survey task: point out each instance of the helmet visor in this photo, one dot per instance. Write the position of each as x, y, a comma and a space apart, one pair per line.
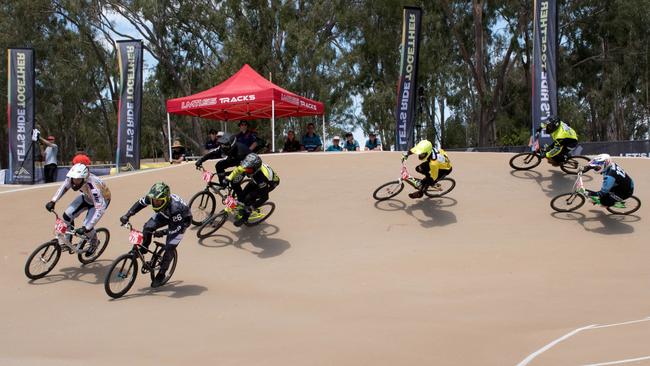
158, 203
422, 156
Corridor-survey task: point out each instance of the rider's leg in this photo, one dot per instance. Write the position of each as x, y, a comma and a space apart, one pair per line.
77, 206
92, 234
172, 242
154, 223
553, 154
221, 166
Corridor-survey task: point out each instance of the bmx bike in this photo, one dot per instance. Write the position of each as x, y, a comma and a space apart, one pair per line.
568, 202
531, 159
124, 269
47, 255
394, 187
233, 209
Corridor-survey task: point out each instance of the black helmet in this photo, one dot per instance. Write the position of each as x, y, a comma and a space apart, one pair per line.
161, 193
227, 142
552, 124
251, 163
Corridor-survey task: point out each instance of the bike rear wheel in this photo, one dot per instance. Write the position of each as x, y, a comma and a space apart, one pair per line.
567, 202
42, 260
388, 190
441, 188
103, 236
212, 224
121, 275
202, 206
632, 204
155, 264
525, 161
574, 163
261, 214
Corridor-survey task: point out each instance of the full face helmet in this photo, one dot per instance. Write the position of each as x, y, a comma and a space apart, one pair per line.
600, 163
251, 163
227, 142
552, 124
159, 196
423, 149
78, 175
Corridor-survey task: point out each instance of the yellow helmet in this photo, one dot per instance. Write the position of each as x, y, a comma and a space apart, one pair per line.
424, 149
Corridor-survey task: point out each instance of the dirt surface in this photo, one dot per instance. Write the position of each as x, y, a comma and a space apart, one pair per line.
487, 276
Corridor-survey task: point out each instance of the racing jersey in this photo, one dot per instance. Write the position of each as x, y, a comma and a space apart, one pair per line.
177, 214
617, 181
263, 177
94, 191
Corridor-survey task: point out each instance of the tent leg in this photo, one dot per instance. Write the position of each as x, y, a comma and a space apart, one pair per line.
169, 137
324, 137
273, 125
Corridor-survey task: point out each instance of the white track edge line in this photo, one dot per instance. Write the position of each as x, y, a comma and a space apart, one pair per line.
620, 361
623, 323
530, 357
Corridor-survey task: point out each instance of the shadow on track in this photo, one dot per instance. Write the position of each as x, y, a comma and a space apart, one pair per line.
609, 224
92, 273
428, 211
258, 236
558, 182
172, 289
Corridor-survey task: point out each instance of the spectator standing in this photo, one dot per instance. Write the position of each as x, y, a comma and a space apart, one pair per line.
335, 144
81, 157
51, 152
373, 143
350, 143
291, 144
311, 141
212, 143
246, 137
178, 153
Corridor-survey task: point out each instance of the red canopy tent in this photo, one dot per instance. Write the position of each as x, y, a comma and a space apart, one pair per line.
244, 96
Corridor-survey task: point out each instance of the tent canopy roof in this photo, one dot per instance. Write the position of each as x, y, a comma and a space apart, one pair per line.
245, 95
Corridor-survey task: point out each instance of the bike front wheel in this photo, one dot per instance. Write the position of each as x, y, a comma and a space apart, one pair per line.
212, 224
631, 205
42, 260
202, 206
388, 190
103, 237
441, 188
260, 214
573, 164
121, 275
567, 202
156, 261
525, 161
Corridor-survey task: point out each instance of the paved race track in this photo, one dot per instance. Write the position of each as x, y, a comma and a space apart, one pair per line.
486, 276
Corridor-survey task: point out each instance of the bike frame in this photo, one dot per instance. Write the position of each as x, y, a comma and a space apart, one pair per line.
207, 176
136, 238
405, 176
61, 233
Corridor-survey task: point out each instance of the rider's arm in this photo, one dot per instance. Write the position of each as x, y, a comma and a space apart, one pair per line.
235, 173
213, 154
608, 184
138, 206
62, 189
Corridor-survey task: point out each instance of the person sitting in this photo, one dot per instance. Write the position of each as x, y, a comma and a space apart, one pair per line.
311, 141
291, 144
246, 137
212, 143
435, 165
564, 138
335, 146
350, 143
373, 143
169, 210
617, 184
178, 153
256, 192
233, 151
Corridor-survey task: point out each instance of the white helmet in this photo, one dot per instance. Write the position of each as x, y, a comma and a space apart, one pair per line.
78, 171
600, 163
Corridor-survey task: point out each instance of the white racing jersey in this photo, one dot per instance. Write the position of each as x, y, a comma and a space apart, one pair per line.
94, 191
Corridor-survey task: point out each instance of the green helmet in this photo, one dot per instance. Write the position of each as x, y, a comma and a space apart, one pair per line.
160, 193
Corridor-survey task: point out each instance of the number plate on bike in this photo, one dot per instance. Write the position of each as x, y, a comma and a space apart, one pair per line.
207, 177
405, 173
136, 237
230, 202
60, 227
